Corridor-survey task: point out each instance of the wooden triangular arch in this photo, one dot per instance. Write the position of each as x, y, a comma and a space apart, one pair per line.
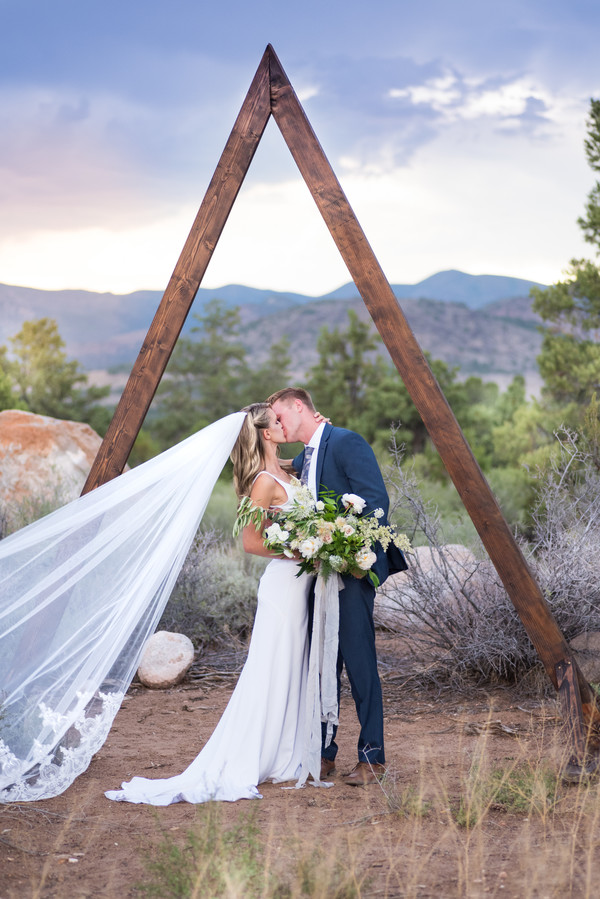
272, 94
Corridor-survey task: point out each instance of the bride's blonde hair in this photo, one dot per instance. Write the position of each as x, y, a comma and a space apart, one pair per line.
247, 454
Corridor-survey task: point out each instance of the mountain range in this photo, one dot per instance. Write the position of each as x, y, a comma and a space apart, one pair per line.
483, 324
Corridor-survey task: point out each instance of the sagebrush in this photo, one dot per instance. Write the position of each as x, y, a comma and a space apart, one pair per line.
452, 611
214, 598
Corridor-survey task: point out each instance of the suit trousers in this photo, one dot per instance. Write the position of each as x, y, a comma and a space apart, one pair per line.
357, 653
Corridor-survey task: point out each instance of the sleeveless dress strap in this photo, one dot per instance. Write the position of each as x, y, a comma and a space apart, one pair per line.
287, 487
285, 484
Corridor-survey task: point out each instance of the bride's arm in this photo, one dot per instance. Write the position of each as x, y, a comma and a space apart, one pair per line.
266, 492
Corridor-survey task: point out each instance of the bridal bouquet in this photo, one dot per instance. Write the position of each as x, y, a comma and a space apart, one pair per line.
327, 535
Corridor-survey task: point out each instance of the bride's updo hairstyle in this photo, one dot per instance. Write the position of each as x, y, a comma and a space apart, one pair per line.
247, 454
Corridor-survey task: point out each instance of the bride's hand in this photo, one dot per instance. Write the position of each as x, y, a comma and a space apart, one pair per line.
320, 418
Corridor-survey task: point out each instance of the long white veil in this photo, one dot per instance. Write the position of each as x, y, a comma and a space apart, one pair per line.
80, 593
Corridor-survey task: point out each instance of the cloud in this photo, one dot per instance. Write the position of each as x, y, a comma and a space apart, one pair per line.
113, 117
453, 97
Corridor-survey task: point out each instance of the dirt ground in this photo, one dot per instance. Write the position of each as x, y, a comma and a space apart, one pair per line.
396, 840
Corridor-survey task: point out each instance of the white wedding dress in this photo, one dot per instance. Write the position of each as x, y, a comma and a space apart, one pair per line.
262, 733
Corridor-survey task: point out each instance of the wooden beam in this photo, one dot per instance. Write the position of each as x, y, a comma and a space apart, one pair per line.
418, 377
272, 93
185, 281
571, 708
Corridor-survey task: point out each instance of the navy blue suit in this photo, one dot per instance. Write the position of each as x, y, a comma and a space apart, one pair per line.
346, 464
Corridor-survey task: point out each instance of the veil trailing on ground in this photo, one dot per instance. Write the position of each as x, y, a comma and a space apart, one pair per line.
80, 593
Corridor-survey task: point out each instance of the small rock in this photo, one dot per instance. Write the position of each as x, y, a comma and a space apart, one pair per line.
166, 660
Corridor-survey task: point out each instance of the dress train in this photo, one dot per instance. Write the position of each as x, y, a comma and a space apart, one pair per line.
261, 734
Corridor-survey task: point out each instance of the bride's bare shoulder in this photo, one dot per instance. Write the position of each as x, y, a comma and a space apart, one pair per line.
266, 491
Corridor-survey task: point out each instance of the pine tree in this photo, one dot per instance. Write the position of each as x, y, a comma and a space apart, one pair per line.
570, 356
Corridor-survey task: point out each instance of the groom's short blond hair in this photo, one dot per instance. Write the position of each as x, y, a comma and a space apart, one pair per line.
292, 393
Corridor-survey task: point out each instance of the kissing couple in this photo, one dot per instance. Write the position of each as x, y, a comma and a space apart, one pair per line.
137, 535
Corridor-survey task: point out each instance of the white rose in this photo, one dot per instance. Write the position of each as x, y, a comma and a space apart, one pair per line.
319, 505
347, 530
354, 502
275, 532
310, 547
365, 559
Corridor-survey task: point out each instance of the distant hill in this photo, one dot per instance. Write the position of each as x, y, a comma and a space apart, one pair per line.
481, 323
479, 342
453, 286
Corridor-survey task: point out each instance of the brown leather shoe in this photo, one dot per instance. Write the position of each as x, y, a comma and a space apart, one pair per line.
327, 767
364, 773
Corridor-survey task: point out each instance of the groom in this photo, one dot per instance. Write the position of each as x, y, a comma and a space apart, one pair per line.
342, 461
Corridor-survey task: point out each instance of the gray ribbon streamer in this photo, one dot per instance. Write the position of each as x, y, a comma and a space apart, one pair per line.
321, 692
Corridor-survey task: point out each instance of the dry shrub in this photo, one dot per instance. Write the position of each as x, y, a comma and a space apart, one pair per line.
214, 598
453, 613
18, 514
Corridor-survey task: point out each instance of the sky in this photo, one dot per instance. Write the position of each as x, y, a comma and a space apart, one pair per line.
455, 129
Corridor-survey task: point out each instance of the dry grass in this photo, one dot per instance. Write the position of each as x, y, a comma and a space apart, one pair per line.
473, 814
498, 829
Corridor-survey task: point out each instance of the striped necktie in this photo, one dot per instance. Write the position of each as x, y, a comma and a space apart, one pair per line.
308, 451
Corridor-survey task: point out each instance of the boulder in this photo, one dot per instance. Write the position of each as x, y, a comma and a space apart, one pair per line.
586, 649
400, 592
166, 659
42, 458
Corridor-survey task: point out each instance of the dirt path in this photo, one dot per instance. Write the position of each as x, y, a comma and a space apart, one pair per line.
399, 840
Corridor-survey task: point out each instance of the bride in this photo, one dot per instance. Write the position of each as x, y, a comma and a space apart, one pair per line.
82, 589
260, 736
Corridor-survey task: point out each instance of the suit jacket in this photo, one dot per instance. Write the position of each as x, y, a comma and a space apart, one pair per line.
347, 464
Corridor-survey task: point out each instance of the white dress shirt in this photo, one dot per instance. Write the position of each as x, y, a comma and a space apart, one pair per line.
314, 441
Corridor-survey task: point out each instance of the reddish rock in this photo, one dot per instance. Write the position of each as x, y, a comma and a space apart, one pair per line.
43, 458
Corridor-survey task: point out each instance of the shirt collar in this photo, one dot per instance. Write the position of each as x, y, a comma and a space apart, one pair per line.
316, 437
